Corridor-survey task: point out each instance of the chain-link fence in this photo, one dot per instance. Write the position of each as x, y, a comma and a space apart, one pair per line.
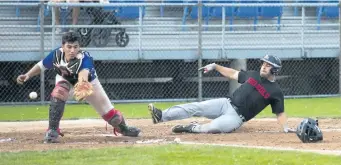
18, 49
151, 51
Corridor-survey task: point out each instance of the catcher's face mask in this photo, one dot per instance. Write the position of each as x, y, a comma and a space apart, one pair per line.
309, 132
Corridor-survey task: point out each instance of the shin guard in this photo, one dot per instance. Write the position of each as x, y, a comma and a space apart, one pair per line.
59, 96
56, 113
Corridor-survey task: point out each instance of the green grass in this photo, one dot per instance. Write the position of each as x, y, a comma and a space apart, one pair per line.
171, 154
168, 154
317, 107
314, 107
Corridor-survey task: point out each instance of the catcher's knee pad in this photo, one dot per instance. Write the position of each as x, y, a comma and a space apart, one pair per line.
114, 118
61, 90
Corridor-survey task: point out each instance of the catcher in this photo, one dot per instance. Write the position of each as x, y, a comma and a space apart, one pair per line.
75, 70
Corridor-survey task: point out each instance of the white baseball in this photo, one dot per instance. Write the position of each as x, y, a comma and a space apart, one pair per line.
33, 95
177, 140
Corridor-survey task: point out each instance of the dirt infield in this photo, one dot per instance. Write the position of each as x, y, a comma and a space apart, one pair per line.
24, 136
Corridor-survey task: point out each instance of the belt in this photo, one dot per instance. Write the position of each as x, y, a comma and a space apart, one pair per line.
237, 111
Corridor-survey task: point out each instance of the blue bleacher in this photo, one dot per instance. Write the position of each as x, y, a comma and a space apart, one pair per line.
168, 1
208, 12
126, 12
248, 12
327, 11
229, 12
241, 12
217, 11
272, 11
253, 12
331, 12
205, 13
46, 11
303, 1
192, 12
17, 9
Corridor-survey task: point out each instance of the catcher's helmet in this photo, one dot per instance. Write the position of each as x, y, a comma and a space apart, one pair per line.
308, 131
274, 61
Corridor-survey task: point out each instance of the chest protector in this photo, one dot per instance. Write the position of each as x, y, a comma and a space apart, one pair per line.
68, 71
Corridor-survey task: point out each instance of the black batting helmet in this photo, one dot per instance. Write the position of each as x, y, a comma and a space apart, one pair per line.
274, 61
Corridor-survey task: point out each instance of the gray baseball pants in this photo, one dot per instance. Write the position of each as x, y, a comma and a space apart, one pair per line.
225, 118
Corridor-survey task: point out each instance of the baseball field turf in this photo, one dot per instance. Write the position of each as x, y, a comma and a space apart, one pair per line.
319, 107
167, 155
170, 153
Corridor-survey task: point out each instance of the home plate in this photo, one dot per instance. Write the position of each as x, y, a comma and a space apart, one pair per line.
150, 141
101, 135
6, 140
108, 135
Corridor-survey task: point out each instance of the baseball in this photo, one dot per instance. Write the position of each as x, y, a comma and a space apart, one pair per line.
33, 95
177, 140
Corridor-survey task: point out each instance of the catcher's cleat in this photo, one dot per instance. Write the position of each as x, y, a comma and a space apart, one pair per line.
155, 113
184, 128
130, 131
58, 130
127, 131
51, 136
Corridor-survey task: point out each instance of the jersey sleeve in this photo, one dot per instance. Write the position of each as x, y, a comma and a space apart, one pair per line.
277, 103
87, 62
48, 60
242, 76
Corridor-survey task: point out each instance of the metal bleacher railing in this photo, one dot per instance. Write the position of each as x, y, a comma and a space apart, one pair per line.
150, 50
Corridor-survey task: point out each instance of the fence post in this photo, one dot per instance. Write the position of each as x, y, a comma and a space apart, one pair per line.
340, 48
53, 8
223, 22
42, 76
140, 32
199, 50
302, 32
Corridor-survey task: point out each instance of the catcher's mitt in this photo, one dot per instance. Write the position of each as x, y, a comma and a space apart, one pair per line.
82, 89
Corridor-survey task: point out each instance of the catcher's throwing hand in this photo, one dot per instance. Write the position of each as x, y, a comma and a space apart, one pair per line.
82, 90
208, 67
22, 78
